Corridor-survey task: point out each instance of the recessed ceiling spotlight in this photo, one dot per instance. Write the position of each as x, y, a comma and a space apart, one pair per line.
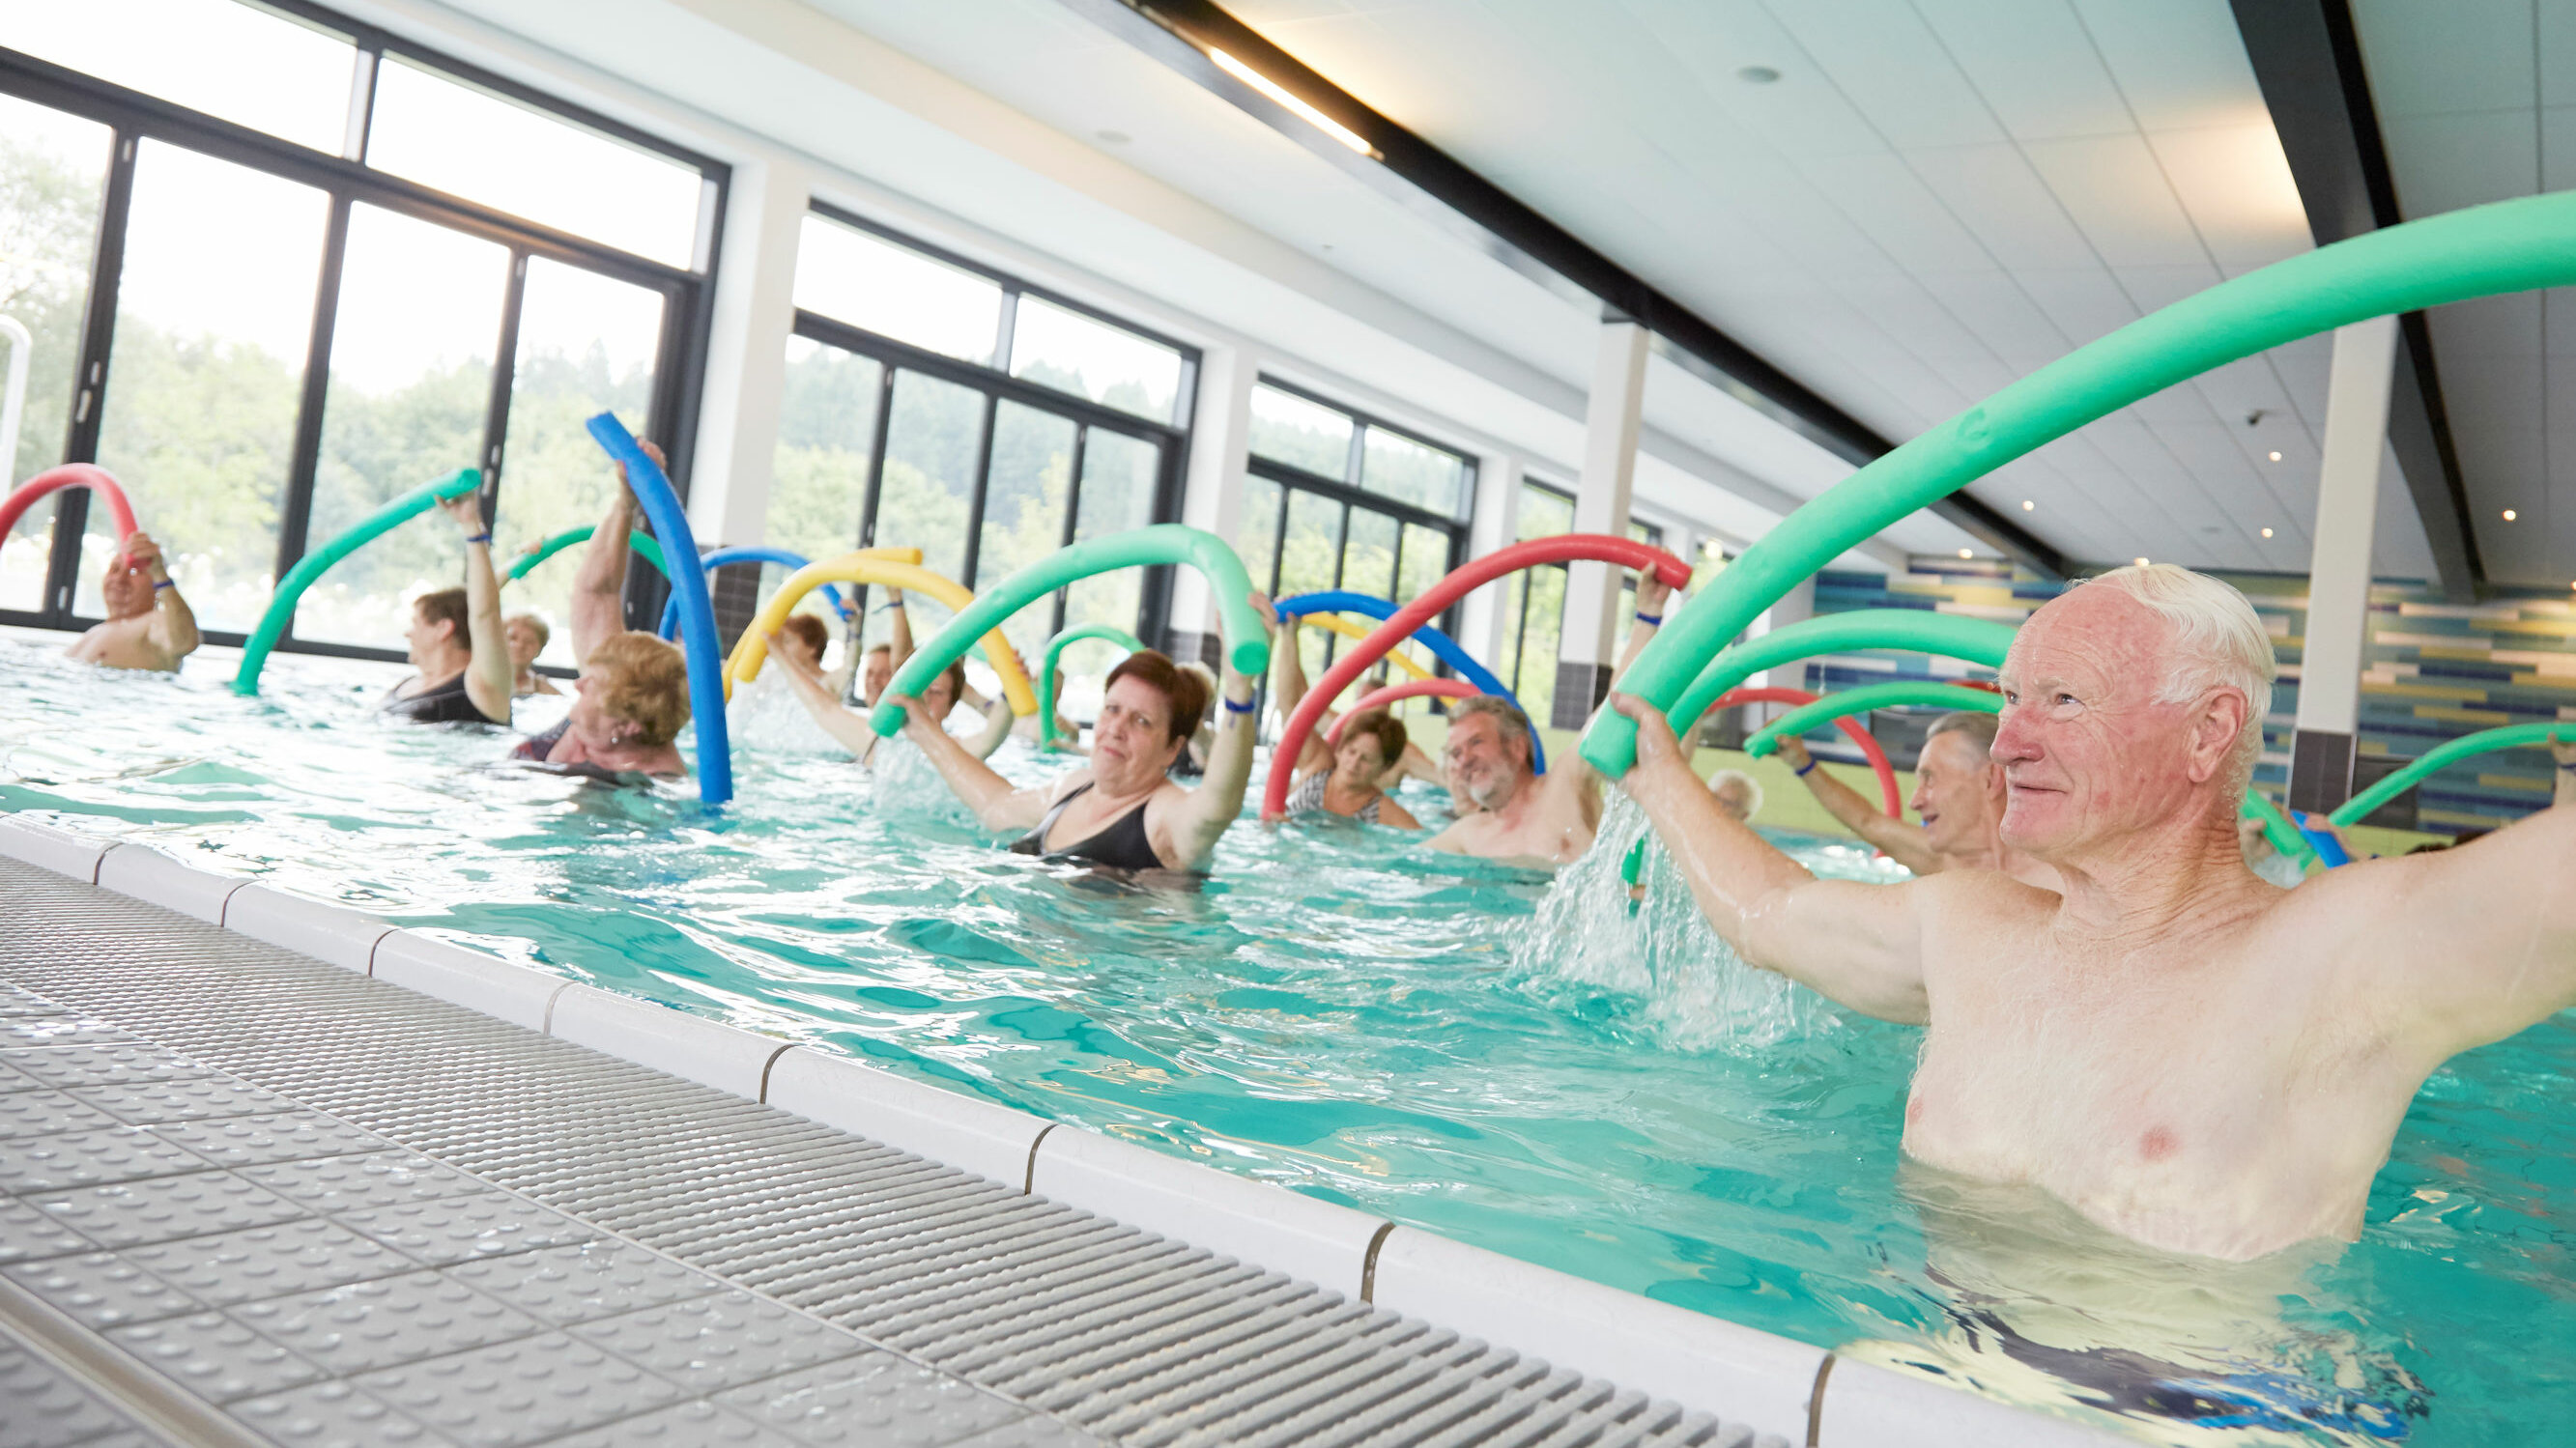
2276, 457
1757, 75
2140, 562
1964, 553
2028, 506
2509, 515
2267, 532
1114, 138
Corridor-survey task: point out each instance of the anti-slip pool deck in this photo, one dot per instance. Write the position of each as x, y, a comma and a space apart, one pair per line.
249, 1194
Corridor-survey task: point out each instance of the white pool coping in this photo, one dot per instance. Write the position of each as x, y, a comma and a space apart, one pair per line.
1775, 1385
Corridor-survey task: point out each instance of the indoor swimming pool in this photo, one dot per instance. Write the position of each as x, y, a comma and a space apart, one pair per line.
1342, 1014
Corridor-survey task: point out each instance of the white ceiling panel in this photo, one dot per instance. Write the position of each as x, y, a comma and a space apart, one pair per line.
2178, 63
2117, 194
1998, 195
1891, 66
2462, 158
2034, 65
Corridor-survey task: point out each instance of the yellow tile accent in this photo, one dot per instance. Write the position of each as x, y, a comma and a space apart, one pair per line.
2462, 716
2522, 782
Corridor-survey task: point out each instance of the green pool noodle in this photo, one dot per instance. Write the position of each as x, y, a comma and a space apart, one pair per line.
2510, 246
2451, 751
309, 568
1914, 630
1247, 642
1055, 648
644, 544
1842, 705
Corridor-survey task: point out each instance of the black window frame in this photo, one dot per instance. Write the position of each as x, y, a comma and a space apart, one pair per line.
1520, 624
133, 116
996, 385
1347, 491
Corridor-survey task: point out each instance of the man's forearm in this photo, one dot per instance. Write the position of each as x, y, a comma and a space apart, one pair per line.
1729, 867
1855, 814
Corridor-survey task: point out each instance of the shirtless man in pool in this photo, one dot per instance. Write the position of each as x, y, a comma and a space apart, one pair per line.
149, 626
1521, 816
1958, 794
2186, 1055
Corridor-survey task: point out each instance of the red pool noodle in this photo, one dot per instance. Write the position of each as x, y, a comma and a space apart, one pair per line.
1469, 576
69, 475
1869, 749
1392, 693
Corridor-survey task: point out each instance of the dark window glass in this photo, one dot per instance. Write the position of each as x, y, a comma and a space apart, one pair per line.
208, 372
244, 65
1118, 476
411, 389
1411, 472
518, 159
929, 481
827, 427
1024, 509
1287, 428
52, 169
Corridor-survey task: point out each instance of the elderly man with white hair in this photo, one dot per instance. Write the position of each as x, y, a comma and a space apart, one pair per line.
2184, 1054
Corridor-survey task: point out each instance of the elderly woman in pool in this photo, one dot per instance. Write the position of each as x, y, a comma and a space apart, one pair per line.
1122, 810
1372, 740
632, 697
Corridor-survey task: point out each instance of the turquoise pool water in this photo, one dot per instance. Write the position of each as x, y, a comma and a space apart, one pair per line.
1548, 1075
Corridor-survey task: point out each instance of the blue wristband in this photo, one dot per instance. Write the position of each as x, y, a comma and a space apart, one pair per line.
173, 583
1246, 707
1656, 619
479, 538
1803, 773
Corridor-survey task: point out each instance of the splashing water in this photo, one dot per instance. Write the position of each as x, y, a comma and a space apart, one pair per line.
1699, 995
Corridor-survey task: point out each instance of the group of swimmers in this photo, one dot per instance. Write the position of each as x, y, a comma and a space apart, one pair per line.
2117, 1009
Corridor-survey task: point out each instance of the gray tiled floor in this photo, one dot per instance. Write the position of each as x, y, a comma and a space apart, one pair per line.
319, 1285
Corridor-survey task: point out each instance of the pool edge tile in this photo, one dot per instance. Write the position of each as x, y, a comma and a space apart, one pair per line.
711, 1053
1741, 1374
49, 848
1205, 1206
1868, 1406
948, 1127
332, 934
155, 878
467, 978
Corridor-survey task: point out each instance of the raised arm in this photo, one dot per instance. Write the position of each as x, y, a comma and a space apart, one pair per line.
2466, 945
1859, 944
1201, 818
848, 727
995, 801
1288, 690
174, 624
998, 719
2564, 755
599, 589
1569, 770
1902, 842
489, 673
902, 639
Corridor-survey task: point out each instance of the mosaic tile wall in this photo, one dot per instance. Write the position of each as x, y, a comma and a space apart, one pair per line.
2433, 671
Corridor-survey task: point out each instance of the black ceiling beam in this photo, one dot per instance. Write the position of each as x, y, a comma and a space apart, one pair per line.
2307, 59
1179, 33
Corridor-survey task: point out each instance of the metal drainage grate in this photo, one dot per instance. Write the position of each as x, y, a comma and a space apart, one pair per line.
1130, 1336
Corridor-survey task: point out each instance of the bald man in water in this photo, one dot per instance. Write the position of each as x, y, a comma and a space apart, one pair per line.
149, 626
2184, 1054
1958, 794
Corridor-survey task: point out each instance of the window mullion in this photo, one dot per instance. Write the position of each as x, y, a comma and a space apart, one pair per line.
983, 484
304, 463
505, 366
1072, 519
89, 396
362, 104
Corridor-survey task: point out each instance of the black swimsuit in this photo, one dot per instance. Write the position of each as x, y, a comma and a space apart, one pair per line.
447, 703
1121, 844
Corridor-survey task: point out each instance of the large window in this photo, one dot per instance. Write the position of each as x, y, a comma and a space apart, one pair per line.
280, 267
1339, 500
933, 404
1534, 599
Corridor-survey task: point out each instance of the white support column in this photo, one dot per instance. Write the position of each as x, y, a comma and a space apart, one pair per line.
2339, 568
1585, 651
1212, 494
1496, 522
755, 311
1796, 606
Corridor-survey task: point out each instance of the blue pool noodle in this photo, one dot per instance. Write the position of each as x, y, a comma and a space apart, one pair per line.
748, 553
689, 589
1443, 647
